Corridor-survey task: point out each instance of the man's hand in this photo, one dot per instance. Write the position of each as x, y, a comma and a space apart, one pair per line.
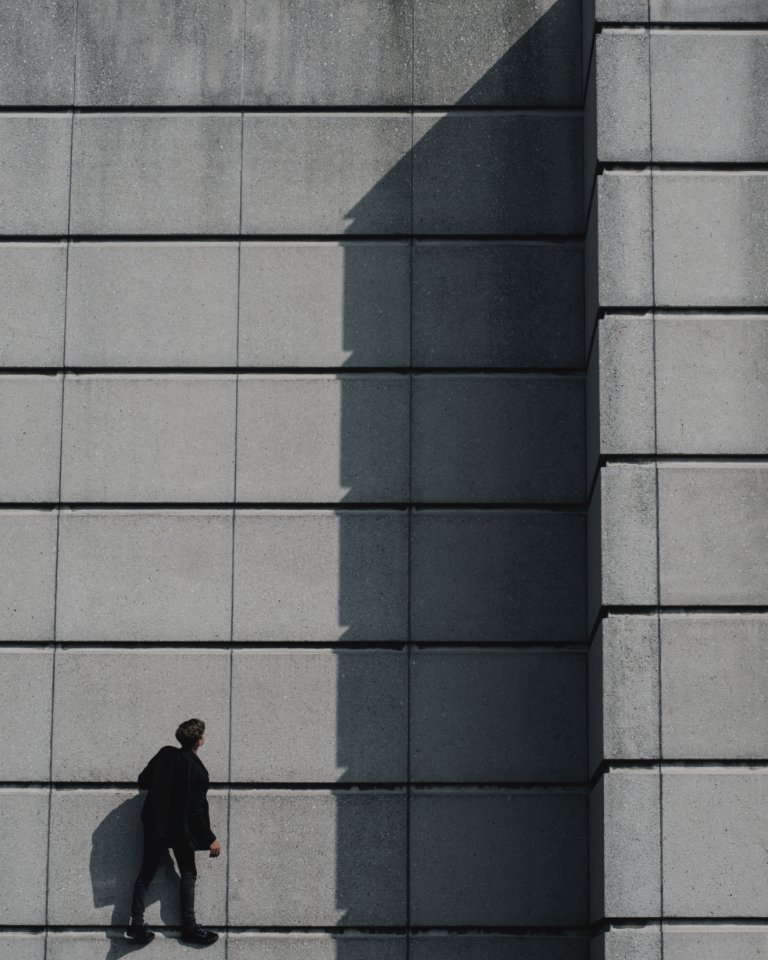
215, 848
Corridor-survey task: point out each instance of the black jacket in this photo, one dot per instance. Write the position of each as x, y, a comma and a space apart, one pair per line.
175, 810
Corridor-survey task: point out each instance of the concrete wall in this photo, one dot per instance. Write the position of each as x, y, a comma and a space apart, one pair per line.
676, 304
292, 432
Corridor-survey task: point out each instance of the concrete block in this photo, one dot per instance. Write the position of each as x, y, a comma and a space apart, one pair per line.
629, 943
698, 265
186, 53
498, 438
622, 10
143, 575
327, 174
152, 304
497, 173
488, 715
713, 525
344, 862
22, 946
156, 173
715, 683
715, 835
103, 829
30, 435
624, 239
624, 690
716, 941
496, 576
91, 945
623, 96
493, 304
504, 53
97, 736
37, 52
297, 53
319, 715
316, 575
705, 11
22, 888
495, 946
625, 864
349, 945
468, 851
27, 574
323, 437
32, 289
325, 304
26, 679
34, 173
148, 437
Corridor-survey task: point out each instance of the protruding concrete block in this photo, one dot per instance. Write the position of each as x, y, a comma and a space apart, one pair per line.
30, 434
185, 53
716, 941
493, 304
503, 53
323, 437
345, 862
144, 575
469, 850
629, 943
22, 946
34, 173
624, 239
487, 715
325, 304
152, 304
498, 438
630, 11
27, 574
102, 828
715, 835
625, 864
96, 692
709, 11
299, 54
317, 715
497, 173
91, 945
37, 51
22, 888
326, 174
26, 682
156, 173
623, 96
497, 946
317, 575
497, 576
32, 288
316, 946
148, 437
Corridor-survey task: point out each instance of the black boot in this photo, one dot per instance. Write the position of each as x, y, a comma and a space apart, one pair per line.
198, 934
139, 932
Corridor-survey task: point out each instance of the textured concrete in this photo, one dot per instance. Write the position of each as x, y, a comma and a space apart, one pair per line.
461, 184
623, 96
27, 574
32, 288
22, 946
468, 851
30, 432
156, 173
95, 854
92, 945
316, 946
622, 10
325, 304
497, 947
34, 173
26, 678
723, 941
324, 437
152, 304
486, 715
498, 577
497, 438
318, 715
148, 437
493, 304
624, 876
506, 53
37, 52
184, 53
703, 11
96, 693
344, 862
630, 943
328, 173
22, 887
359, 53
623, 236
144, 575
313, 575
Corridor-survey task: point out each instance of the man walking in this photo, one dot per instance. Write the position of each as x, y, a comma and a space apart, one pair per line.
175, 814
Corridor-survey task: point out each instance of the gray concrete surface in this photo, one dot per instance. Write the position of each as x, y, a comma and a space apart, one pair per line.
630, 943
498, 947
693, 11
34, 173
32, 289
623, 236
26, 682
22, 889
317, 946
22, 946
623, 95
27, 574
30, 434
37, 52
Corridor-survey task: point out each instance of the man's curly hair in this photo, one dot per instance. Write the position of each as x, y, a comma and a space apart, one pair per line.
189, 732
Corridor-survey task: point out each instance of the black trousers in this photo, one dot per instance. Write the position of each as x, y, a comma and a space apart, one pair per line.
154, 851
